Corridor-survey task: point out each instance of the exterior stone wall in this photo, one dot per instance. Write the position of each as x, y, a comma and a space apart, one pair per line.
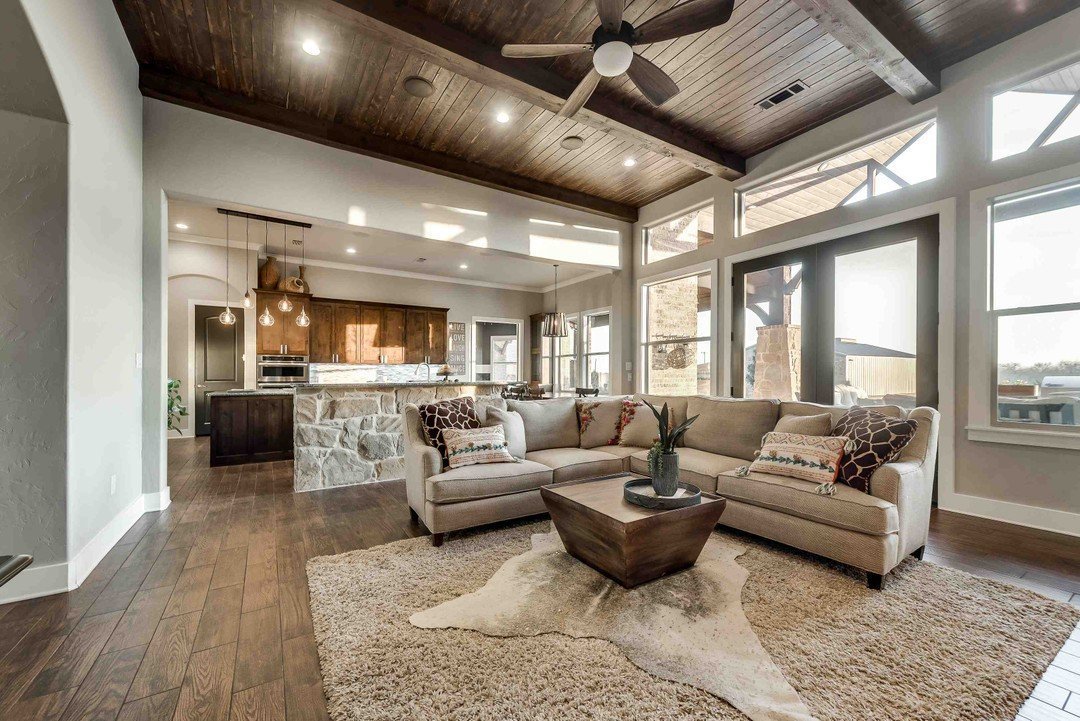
778, 362
344, 435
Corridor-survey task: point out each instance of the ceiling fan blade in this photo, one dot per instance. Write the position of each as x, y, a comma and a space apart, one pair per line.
654, 83
686, 19
544, 51
581, 94
610, 12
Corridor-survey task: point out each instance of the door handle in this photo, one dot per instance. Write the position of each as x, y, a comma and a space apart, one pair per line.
200, 385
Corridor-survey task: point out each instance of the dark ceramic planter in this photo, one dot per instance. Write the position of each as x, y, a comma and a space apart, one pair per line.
666, 482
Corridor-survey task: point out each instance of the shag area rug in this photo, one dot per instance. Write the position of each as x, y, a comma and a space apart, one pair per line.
936, 645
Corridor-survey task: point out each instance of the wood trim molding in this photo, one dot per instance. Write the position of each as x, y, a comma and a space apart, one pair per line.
873, 37
396, 23
208, 98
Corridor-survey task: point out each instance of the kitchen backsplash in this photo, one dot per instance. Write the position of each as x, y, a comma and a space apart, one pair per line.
341, 373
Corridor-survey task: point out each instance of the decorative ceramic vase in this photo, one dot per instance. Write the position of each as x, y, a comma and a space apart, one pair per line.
269, 274
666, 482
294, 283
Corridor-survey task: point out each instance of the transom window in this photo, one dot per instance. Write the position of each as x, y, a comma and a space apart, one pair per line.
895, 162
678, 336
1035, 304
687, 232
1037, 113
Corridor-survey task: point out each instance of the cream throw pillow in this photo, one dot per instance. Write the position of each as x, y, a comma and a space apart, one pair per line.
513, 428
808, 458
599, 421
470, 446
818, 425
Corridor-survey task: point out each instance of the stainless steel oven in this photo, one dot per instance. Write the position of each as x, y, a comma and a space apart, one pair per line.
282, 371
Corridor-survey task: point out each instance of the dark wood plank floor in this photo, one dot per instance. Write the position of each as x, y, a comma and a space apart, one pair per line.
201, 610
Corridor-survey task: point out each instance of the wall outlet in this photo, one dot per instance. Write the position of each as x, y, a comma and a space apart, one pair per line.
629, 377
629, 365
138, 360
112, 484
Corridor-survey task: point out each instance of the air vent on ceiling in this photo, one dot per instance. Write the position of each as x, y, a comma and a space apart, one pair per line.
789, 92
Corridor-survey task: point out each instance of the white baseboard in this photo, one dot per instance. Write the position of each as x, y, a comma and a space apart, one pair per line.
38, 581
1044, 519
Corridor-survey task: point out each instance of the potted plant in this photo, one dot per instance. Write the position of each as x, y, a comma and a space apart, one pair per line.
174, 409
663, 460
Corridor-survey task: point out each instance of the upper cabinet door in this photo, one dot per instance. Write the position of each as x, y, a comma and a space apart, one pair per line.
416, 331
269, 340
347, 332
436, 336
296, 336
322, 333
370, 345
393, 335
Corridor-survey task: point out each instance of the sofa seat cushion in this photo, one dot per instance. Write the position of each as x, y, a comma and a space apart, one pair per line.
698, 467
571, 464
486, 481
619, 451
847, 508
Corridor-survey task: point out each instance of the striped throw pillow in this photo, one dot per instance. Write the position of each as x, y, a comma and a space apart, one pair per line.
808, 458
469, 446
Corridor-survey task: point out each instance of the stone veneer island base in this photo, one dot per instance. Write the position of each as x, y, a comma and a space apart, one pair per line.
349, 434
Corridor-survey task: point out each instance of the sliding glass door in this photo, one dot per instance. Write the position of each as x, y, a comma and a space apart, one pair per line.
848, 322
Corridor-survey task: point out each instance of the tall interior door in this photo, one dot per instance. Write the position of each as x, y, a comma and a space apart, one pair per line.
219, 359
848, 322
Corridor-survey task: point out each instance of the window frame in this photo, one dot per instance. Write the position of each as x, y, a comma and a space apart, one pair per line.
585, 352
580, 354
667, 219
1010, 85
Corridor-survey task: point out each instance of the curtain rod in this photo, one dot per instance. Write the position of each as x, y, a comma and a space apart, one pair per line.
266, 218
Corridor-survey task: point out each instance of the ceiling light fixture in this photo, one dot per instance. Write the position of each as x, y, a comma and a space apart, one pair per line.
181, 226
629, 163
464, 266
613, 58
266, 318
572, 142
351, 251
555, 322
418, 87
302, 320
249, 302
285, 305
311, 47
503, 117
227, 317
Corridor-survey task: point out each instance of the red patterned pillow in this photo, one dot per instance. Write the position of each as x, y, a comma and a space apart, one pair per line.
453, 413
877, 440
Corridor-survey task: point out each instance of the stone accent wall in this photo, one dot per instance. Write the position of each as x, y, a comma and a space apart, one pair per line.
777, 362
353, 434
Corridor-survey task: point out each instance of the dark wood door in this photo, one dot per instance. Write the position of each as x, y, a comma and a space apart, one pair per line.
270, 427
393, 335
322, 333
296, 336
269, 340
229, 440
436, 336
416, 332
369, 340
219, 359
346, 332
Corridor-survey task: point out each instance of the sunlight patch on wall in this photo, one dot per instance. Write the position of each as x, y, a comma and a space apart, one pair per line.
453, 209
357, 215
441, 231
573, 251
480, 242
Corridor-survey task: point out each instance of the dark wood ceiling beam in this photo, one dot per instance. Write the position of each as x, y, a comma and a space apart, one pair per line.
208, 98
872, 36
398, 24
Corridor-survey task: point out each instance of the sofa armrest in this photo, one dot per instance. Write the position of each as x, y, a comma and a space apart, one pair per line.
421, 462
910, 486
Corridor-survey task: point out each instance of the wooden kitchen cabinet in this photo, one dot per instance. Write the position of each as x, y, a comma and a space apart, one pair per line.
425, 336
284, 336
371, 318
250, 429
296, 336
334, 330
393, 335
370, 334
346, 333
436, 337
322, 332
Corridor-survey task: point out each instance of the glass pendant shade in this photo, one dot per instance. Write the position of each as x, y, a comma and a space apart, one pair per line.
285, 305
249, 302
303, 320
227, 317
266, 319
554, 325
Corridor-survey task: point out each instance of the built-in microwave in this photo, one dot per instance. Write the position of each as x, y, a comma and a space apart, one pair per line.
282, 371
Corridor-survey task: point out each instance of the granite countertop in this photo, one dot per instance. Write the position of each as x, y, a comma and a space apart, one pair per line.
260, 392
408, 384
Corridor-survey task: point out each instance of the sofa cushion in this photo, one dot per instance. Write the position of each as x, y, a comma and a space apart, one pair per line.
730, 427
847, 508
698, 467
513, 429
483, 403
619, 451
815, 425
808, 458
599, 421
475, 446
676, 405
486, 481
548, 424
571, 464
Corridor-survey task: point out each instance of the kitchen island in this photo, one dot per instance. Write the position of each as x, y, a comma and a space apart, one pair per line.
250, 426
349, 434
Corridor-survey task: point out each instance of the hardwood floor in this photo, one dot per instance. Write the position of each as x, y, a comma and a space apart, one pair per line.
201, 610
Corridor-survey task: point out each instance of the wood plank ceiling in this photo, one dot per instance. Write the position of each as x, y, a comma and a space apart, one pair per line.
242, 59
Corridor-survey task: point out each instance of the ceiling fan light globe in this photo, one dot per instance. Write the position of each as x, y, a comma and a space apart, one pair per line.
611, 59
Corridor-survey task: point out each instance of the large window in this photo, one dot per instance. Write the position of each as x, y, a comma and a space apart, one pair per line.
895, 162
679, 235
1037, 113
678, 336
566, 358
1035, 304
598, 352
582, 359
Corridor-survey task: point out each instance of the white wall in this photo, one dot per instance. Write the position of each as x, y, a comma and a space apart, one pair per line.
1036, 486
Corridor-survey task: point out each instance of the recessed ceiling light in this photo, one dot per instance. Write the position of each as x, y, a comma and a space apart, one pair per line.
311, 47
464, 266
351, 251
418, 87
503, 117
181, 226
572, 142
629, 162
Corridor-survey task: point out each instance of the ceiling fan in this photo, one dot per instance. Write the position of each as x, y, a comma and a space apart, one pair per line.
612, 47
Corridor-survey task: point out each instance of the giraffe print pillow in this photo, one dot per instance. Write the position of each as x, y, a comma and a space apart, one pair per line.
877, 439
454, 413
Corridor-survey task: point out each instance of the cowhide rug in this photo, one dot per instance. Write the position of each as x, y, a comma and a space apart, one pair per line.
688, 627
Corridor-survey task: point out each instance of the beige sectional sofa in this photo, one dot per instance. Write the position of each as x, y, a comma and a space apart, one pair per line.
873, 531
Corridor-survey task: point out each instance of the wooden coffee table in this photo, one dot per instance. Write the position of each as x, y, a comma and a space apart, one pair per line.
632, 545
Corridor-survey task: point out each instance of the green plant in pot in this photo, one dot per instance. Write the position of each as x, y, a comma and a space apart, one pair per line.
663, 460
174, 408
